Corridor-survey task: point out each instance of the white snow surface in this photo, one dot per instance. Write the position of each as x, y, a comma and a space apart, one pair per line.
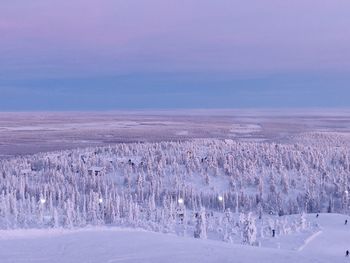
111, 244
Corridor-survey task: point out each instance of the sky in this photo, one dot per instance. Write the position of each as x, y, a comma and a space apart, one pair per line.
168, 54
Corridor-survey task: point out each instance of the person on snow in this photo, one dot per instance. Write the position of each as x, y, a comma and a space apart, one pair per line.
347, 253
346, 222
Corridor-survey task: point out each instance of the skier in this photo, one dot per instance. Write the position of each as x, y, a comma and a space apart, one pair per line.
346, 222
273, 232
317, 215
347, 253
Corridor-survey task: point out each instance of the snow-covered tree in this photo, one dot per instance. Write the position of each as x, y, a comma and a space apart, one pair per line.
248, 228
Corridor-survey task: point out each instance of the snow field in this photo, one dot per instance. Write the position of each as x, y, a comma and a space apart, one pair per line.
105, 244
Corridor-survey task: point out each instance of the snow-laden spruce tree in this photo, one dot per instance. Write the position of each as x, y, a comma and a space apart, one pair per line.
200, 230
248, 229
302, 221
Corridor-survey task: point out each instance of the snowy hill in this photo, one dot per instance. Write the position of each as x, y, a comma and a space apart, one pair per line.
202, 193
134, 184
108, 245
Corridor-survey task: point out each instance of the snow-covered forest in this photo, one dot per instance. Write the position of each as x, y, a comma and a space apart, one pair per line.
222, 189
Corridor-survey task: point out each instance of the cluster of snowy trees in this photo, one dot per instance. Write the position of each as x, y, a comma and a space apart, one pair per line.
141, 184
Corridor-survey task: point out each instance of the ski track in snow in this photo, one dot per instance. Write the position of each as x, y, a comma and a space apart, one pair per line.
308, 240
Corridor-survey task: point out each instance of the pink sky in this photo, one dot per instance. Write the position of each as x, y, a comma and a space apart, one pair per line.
161, 35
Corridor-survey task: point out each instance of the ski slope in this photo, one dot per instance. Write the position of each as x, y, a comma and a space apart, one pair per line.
98, 245
333, 240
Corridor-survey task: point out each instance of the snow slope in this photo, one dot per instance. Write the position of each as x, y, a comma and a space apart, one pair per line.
98, 245
334, 239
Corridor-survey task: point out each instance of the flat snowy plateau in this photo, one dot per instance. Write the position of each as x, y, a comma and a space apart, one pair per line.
106, 244
29, 133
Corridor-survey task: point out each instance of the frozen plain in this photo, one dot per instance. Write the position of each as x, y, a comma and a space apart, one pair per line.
28, 133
